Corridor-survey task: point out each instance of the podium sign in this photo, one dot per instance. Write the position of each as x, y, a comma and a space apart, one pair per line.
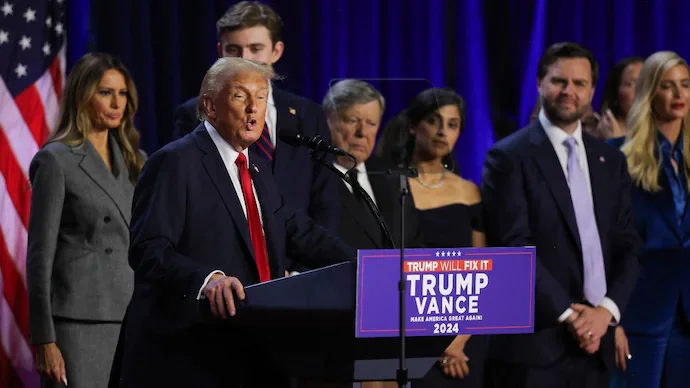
449, 291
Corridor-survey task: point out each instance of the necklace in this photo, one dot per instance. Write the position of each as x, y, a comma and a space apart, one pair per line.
435, 185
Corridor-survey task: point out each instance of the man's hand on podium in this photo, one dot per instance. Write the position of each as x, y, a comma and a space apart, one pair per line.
219, 292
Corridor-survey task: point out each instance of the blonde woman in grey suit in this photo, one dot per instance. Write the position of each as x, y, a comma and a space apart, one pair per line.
78, 276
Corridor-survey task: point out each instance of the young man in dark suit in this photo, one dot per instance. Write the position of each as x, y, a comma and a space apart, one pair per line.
252, 30
553, 186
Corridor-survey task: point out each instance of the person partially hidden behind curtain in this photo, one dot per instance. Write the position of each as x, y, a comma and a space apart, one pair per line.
423, 136
657, 148
78, 277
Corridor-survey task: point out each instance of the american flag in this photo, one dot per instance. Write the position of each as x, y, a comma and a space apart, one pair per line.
32, 70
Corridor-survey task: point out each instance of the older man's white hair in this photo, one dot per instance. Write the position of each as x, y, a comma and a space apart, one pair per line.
222, 71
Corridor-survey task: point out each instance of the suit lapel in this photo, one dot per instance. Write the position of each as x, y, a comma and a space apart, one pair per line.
267, 216
93, 165
353, 207
221, 180
685, 225
286, 121
547, 162
597, 166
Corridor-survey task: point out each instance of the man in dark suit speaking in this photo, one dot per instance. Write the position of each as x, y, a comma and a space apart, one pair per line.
553, 186
252, 30
207, 220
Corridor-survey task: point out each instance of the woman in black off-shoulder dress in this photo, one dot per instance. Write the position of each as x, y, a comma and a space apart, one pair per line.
423, 137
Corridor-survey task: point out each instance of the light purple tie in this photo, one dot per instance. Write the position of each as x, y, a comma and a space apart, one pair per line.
592, 256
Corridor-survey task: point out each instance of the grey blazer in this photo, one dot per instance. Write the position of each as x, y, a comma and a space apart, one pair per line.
77, 258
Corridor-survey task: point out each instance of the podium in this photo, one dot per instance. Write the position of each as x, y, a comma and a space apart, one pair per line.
306, 323
340, 323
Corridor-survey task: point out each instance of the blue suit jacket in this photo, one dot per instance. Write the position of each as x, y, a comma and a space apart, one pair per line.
665, 278
664, 282
527, 202
186, 222
303, 183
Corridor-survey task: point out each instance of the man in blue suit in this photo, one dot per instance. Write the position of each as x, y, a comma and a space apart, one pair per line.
553, 186
208, 219
252, 30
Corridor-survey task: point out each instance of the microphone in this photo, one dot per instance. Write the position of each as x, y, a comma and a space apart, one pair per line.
316, 143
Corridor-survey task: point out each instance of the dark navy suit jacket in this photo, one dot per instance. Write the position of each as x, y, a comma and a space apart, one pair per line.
303, 183
186, 222
359, 230
664, 282
527, 202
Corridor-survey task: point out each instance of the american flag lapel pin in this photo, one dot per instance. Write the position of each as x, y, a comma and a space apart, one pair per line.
292, 111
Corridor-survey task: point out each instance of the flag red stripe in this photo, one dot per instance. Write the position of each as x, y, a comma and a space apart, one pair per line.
8, 376
13, 289
31, 108
56, 74
26, 122
18, 186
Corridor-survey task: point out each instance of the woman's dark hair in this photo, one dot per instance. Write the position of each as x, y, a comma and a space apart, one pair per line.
397, 144
613, 83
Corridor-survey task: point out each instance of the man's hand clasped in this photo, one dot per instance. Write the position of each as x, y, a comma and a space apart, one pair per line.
588, 325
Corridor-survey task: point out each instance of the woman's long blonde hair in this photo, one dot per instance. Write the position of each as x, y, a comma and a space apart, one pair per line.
75, 118
641, 145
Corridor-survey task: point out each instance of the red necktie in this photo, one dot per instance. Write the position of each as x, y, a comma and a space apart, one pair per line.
263, 146
255, 229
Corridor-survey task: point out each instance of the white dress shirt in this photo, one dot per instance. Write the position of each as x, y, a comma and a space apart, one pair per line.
272, 116
229, 155
558, 137
362, 179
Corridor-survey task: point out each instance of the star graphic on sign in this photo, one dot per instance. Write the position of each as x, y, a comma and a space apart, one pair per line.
25, 42
20, 70
443, 254
49, 21
58, 28
437, 254
4, 36
7, 9
453, 253
30, 15
46, 49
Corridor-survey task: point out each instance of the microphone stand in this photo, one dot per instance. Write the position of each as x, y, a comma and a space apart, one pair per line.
402, 173
404, 186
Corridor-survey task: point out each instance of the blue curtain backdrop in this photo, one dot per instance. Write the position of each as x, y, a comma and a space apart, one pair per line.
486, 50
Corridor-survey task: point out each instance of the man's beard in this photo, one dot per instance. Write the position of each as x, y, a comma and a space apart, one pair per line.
560, 118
